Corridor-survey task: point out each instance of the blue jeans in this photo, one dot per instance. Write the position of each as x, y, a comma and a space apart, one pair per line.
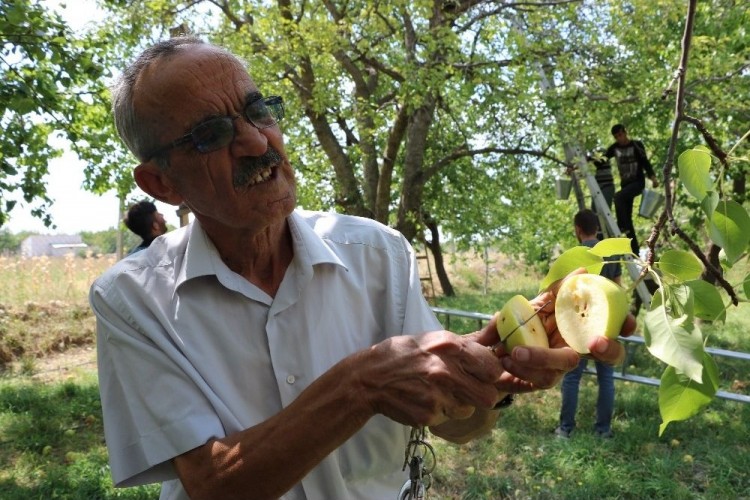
605, 403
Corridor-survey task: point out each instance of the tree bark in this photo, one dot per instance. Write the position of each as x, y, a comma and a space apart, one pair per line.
437, 254
713, 257
739, 186
410, 204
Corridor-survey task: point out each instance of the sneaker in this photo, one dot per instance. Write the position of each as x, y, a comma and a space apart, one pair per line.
605, 434
562, 433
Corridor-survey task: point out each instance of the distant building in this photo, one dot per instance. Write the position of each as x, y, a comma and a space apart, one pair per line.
55, 245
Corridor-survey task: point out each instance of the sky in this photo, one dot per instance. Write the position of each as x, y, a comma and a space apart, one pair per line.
75, 210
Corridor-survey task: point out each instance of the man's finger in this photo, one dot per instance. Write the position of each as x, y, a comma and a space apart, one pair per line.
607, 350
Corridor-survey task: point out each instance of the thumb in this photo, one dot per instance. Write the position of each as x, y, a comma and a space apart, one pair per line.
488, 335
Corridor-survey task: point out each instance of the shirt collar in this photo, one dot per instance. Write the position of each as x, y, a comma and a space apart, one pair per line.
309, 246
202, 258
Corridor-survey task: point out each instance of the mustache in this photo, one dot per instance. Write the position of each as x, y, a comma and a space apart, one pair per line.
251, 165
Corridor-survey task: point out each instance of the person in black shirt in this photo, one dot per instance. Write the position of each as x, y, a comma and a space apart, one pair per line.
145, 221
604, 178
634, 166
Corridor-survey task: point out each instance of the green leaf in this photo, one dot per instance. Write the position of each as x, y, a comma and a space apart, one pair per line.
723, 261
569, 261
680, 264
708, 304
609, 247
22, 105
709, 203
746, 286
674, 340
730, 229
693, 166
681, 397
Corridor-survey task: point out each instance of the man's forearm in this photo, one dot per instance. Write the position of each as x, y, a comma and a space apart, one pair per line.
267, 460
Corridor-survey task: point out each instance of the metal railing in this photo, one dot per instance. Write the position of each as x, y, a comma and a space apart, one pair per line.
633, 342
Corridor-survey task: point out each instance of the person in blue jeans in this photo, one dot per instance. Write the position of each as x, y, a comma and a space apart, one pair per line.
586, 224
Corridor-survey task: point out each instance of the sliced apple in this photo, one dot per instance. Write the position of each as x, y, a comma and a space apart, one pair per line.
514, 313
587, 306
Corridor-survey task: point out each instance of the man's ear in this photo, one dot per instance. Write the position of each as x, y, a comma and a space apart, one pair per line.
152, 181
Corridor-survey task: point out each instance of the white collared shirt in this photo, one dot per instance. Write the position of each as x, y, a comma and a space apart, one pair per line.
188, 350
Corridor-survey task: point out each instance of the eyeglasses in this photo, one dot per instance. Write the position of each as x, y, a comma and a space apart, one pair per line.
216, 133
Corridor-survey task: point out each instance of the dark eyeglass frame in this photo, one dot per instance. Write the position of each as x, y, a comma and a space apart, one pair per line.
263, 112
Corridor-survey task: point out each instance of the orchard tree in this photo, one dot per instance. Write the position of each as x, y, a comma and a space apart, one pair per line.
429, 115
46, 76
386, 101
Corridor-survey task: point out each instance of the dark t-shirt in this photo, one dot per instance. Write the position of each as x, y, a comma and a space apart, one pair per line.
603, 173
144, 245
632, 162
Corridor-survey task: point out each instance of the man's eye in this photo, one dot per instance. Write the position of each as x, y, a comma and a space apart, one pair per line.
204, 133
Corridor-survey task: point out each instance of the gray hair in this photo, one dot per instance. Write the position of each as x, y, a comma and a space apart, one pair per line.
137, 136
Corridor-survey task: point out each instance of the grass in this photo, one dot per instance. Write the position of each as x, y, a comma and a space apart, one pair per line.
51, 440
707, 456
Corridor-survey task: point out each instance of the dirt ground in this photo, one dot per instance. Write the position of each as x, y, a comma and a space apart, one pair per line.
62, 366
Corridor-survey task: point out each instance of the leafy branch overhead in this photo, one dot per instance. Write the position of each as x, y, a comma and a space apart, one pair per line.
45, 73
671, 325
404, 110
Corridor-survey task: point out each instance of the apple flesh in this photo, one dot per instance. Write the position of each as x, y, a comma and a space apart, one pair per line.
588, 306
514, 312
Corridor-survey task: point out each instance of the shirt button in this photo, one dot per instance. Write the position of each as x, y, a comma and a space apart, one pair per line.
290, 379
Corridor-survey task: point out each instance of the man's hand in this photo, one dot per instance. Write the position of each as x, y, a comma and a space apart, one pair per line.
603, 349
654, 182
451, 382
531, 368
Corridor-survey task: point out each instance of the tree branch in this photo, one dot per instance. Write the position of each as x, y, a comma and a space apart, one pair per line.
464, 153
680, 116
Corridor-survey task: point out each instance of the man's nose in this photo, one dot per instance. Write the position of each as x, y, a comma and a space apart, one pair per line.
248, 139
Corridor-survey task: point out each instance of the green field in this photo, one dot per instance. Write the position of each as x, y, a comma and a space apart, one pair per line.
51, 443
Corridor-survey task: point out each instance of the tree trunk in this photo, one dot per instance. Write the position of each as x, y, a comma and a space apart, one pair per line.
437, 254
410, 204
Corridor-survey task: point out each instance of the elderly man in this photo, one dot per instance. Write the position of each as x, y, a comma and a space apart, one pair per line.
263, 351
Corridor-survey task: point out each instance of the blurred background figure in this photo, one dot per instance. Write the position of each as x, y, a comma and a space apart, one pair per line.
144, 220
586, 224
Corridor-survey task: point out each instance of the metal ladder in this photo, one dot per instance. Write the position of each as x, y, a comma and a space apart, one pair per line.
610, 229
428, 288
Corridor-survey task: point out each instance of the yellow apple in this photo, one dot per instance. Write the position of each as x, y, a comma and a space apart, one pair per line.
514, 313
587, 306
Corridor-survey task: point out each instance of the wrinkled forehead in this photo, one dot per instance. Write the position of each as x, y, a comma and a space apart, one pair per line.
196, 75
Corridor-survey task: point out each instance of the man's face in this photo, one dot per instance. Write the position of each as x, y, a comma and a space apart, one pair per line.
248, 184
621, 138
160, 224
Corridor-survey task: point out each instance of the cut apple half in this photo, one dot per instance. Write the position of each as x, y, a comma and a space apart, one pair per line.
518, 324
588, 306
